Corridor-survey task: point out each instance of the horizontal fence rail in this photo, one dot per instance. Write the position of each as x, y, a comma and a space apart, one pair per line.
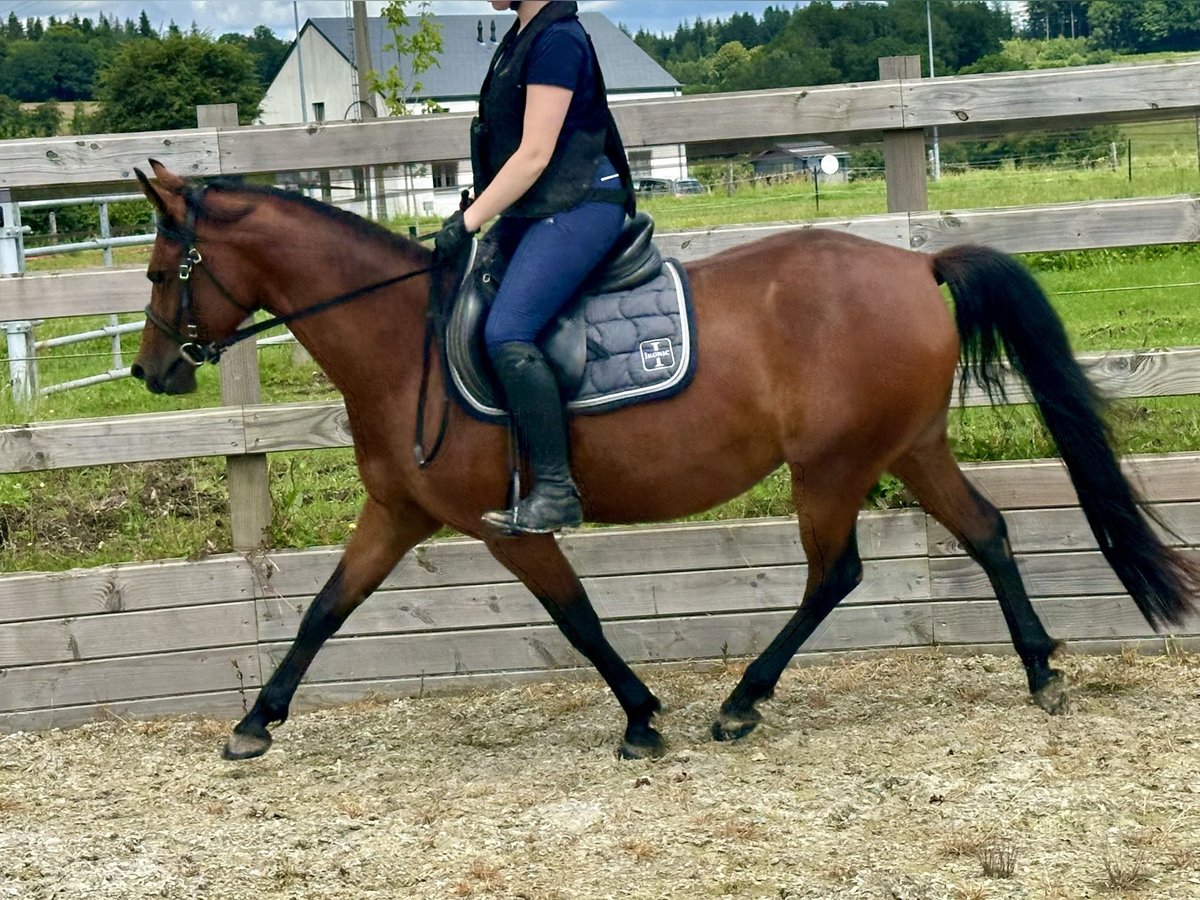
1065, 226
1042, 98
232, 431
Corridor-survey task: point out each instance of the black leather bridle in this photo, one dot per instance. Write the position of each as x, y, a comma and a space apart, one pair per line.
185, 330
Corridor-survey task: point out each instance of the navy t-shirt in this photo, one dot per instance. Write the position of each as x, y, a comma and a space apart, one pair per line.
562, 57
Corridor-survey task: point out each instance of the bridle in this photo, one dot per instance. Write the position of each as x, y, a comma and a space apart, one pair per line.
185, 330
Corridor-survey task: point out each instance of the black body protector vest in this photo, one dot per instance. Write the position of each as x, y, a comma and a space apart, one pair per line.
496, 132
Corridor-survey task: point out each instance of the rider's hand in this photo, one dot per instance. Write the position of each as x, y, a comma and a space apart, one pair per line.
453, 239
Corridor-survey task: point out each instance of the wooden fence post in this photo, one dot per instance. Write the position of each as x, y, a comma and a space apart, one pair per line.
249, 493
904, 151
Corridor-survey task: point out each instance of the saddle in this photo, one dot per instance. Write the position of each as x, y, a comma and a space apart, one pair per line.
633, 261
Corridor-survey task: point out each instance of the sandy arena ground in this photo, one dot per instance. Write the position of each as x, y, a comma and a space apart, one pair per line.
899, 778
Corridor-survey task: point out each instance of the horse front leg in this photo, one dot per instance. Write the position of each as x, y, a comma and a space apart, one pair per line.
380, 539
540, 565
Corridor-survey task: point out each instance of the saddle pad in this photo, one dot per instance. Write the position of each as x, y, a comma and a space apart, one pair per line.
640, 343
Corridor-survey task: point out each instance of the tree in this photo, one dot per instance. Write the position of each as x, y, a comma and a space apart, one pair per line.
1056, 18
419, 47
268, 51
14, 30
16, 123
144, 28
154, 85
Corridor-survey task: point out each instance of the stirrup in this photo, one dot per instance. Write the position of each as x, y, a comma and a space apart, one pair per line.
538, 514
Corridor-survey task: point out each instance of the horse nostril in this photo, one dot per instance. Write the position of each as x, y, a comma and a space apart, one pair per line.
137, 372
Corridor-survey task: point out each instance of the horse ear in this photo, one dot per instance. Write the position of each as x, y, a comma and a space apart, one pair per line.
167, 195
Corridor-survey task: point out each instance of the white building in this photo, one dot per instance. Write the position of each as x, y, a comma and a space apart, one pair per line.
325, 51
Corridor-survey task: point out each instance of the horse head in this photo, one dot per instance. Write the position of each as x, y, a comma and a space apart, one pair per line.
191, 307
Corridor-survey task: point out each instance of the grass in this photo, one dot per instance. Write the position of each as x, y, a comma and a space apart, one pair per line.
1109, 299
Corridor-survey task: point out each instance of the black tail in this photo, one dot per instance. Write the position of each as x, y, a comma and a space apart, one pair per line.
1000, 307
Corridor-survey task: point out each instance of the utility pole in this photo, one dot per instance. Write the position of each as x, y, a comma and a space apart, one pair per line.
300, 63
372, 176
937, 150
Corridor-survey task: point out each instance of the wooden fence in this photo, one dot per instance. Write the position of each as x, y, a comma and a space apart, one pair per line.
200, 636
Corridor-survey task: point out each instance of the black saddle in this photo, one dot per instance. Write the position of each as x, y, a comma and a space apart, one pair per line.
633, 261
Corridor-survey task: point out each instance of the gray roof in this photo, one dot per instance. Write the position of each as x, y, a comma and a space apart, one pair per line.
464, 61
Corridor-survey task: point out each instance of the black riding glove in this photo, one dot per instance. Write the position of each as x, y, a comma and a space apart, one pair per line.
453, 239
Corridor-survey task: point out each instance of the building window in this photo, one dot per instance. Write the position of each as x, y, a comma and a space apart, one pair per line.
319, 112
639, 162
445, 174
359, 175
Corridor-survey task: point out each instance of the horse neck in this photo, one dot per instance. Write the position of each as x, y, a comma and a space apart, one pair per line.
372, 340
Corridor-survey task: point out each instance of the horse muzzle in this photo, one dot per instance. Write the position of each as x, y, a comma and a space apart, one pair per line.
179, 377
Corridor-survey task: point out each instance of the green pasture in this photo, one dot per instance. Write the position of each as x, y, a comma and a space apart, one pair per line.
1110, 299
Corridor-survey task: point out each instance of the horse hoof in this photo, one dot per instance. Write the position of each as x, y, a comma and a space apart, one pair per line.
645, 745
735, 726
247, 744
1054, 696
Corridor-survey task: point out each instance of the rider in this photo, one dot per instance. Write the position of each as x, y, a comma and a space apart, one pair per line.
548, 160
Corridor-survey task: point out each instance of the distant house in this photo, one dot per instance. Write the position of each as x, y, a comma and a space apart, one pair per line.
800, 160
325, 47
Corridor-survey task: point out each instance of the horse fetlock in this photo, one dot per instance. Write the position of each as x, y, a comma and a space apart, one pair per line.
646, 710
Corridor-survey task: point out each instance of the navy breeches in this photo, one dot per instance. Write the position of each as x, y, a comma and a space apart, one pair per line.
550, 258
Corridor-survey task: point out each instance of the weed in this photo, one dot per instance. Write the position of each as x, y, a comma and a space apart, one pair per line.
1125, 871
998, 858
965, 842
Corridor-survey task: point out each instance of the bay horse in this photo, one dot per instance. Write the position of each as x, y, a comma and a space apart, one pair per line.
828, 352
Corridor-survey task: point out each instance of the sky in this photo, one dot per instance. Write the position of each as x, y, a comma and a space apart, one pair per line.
222, 16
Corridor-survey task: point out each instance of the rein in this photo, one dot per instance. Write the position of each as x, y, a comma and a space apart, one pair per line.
185, 330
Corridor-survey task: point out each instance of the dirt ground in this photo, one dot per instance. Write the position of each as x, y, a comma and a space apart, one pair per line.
900, 778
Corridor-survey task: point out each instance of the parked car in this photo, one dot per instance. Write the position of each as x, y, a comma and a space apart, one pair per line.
652, 185
678, 186
689, 186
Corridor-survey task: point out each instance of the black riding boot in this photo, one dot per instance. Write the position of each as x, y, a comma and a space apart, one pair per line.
536, 406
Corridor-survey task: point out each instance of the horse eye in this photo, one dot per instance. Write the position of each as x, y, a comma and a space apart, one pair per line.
157, 277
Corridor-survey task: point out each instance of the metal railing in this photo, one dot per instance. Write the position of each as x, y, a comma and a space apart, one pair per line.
21, 343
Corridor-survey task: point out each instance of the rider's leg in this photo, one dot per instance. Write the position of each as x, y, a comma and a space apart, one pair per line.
554, 257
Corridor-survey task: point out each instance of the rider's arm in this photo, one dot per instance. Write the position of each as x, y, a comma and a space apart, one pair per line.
545, 111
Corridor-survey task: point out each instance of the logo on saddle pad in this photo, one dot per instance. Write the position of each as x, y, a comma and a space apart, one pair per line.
657, 354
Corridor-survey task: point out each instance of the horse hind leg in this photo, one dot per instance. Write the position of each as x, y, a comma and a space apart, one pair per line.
933, 474
380, 539
827, 506
539, 563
